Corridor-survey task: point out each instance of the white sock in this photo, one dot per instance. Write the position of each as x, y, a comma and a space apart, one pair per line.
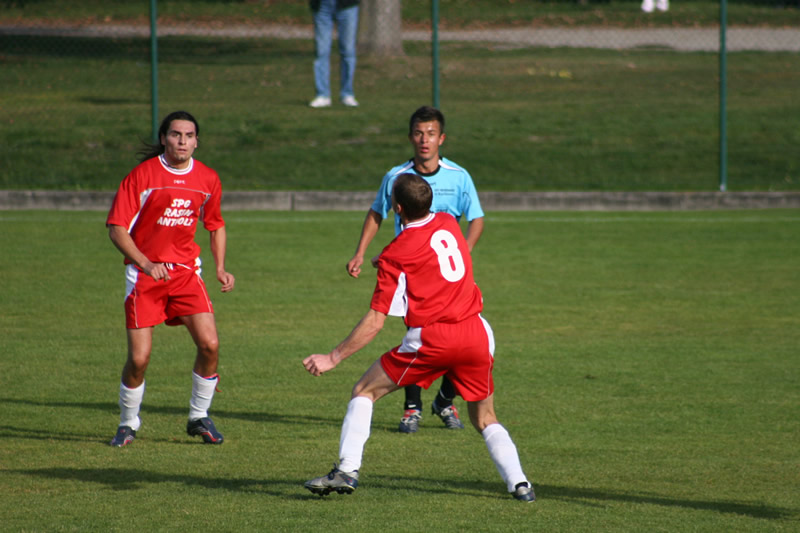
202, 394
355, 432
504, 454
130, 401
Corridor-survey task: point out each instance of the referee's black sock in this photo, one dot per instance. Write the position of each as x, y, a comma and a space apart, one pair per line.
446, 394
413, 397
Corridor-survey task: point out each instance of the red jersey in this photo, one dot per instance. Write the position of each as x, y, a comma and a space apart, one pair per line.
425, 274
160, 207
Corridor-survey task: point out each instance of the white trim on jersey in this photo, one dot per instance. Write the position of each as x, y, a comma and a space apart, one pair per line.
131, 275
443, 164
173, 170
399, 305
142, 199
420, 222
490, 334
412, 342
405, 168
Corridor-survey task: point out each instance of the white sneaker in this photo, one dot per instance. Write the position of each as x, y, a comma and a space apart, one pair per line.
662, 5
320, 101
350, 101
648, 6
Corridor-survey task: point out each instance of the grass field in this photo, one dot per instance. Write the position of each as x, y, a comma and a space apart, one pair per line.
518, 119
558, 119
647, 369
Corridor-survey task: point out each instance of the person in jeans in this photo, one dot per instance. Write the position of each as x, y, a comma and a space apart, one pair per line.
344, 13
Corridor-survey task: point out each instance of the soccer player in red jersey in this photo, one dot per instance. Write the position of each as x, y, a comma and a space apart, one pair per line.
153, 221
424, 275
454, 192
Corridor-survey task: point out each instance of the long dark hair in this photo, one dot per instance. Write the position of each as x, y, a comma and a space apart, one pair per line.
151, 150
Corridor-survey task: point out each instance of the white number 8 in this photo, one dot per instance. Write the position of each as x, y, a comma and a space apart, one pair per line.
451, 263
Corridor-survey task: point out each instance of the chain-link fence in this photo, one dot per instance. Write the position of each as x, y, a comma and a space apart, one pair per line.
596, 97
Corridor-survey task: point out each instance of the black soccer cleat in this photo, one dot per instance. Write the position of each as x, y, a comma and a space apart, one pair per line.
524, 492
449, 415
206, 429
410, 421
124, 436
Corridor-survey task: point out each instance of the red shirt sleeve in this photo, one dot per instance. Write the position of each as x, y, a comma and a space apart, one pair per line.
212, 211
126, 202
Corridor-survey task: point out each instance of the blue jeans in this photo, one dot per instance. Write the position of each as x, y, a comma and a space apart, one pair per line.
347, 26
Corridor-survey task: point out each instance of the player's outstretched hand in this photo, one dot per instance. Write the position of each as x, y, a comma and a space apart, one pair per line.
318, 363
227, 280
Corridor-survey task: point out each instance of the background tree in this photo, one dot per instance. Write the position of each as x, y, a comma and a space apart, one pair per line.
381, 28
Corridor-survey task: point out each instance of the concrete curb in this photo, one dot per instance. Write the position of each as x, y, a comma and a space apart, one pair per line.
637, 201
491, 201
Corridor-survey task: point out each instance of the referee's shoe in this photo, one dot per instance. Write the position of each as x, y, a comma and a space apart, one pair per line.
449, 415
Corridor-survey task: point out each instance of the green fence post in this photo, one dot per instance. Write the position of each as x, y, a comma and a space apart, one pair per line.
154, 69
435, 50
723, 88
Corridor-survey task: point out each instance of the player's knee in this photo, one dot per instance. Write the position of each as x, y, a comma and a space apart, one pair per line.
480, 417
368, 389
138, 361
478, 424
208, 348
135, 368
359, 389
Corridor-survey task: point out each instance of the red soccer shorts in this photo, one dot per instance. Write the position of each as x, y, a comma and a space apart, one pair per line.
149, 302
463, 351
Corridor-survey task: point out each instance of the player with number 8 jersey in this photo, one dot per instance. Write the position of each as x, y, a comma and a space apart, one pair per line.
425, 274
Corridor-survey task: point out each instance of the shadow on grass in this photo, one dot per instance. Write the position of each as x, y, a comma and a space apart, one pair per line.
133, 479
596, 496
589, 496
113, 409
176, 50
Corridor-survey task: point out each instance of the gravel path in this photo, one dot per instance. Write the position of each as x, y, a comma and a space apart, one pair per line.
680, 39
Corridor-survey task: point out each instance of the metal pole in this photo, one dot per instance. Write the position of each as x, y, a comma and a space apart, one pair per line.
723, 88
435, 50
154, 69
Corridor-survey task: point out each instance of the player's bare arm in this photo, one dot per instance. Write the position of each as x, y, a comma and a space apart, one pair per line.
219, 242
372, 223
124, 243
366, 330
474, 232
